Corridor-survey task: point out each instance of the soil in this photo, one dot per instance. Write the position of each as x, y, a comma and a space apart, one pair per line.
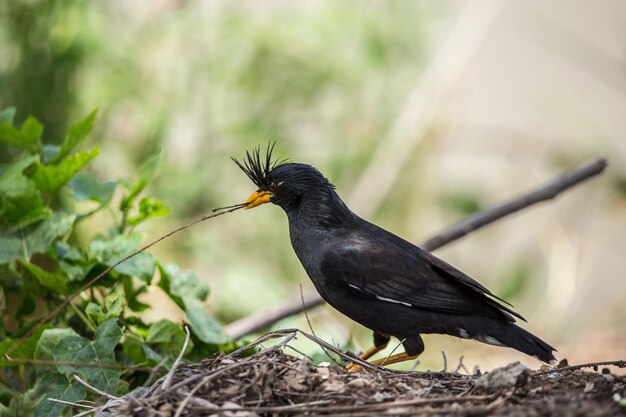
270, 382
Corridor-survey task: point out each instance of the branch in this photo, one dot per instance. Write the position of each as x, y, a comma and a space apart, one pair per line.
490, 215
265, 318
595, 365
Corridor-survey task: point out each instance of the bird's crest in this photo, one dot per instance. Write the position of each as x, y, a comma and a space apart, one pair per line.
258, 169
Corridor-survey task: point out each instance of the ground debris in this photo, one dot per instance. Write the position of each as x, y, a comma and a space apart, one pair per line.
271, 382
510, 376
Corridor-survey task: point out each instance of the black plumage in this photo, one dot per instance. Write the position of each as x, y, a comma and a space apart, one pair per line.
376, 278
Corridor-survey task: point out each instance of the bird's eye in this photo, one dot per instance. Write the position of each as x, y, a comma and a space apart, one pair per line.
273, 186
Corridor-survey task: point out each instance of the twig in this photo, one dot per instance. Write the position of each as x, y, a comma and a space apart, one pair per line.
204, 380
153, 373
313, 407
547, 192
445, 361
461, 366
392, 352
87, 412
264, 318
306, 315
94, 389
92, 281
43, 362
619, 364
54, 400
170, 375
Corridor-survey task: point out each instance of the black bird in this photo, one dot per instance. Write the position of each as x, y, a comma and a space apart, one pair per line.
376, 278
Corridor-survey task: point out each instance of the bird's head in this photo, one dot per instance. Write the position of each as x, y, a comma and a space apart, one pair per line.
286, 184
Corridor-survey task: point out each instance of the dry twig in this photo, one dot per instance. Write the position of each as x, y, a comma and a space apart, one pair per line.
60, 307
170, 375
594, 365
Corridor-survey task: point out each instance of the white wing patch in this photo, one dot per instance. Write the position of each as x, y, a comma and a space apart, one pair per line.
489, 340
391, 300
463, 333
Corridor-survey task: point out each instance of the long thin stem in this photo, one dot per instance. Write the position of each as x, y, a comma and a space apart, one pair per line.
92, 281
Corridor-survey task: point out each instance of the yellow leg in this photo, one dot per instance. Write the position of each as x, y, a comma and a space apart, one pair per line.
400, 357
365, 356
397, 358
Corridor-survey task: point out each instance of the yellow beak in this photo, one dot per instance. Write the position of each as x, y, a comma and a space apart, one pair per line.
257, 198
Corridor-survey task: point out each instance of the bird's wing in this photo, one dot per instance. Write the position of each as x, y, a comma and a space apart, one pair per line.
404, 274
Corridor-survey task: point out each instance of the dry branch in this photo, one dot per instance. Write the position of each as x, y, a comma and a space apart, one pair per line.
490, 215
265, 318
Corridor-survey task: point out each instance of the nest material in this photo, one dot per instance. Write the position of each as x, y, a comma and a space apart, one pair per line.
271, 382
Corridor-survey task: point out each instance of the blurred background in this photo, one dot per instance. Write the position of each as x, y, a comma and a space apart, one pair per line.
420, 112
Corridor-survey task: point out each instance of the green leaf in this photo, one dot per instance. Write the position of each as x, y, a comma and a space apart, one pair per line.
22, 348
147, 173
49, 340
114, 305
133, 292
49, 152
186, 290
75, 134
74, 272
110, 251
169, 336
148, 208
28, 306
7, 115
20, 202
35, 238
132, 346
66, 251
94, 313
205, 327
163, 331
99, 351
10, 249
12, 181
87, 187
27, 138
49, 178
141, 266
115, 302
54, 281
59, 387
182, 285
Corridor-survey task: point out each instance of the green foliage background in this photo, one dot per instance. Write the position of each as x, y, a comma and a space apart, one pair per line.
41, 264
197, 82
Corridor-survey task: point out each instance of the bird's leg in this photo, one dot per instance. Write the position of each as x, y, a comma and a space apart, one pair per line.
397, 358
413, 346
380, 342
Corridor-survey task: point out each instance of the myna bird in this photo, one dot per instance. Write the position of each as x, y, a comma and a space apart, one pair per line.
376, 278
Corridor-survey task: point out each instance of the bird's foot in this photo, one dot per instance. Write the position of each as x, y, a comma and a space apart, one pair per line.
353, 367
400, 357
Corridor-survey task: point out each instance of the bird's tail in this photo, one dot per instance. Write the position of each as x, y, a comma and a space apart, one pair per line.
511, 335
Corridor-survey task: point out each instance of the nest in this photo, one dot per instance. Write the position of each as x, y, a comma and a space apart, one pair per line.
270, 382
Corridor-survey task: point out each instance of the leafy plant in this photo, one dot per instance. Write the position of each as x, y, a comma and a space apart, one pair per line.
41, 265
